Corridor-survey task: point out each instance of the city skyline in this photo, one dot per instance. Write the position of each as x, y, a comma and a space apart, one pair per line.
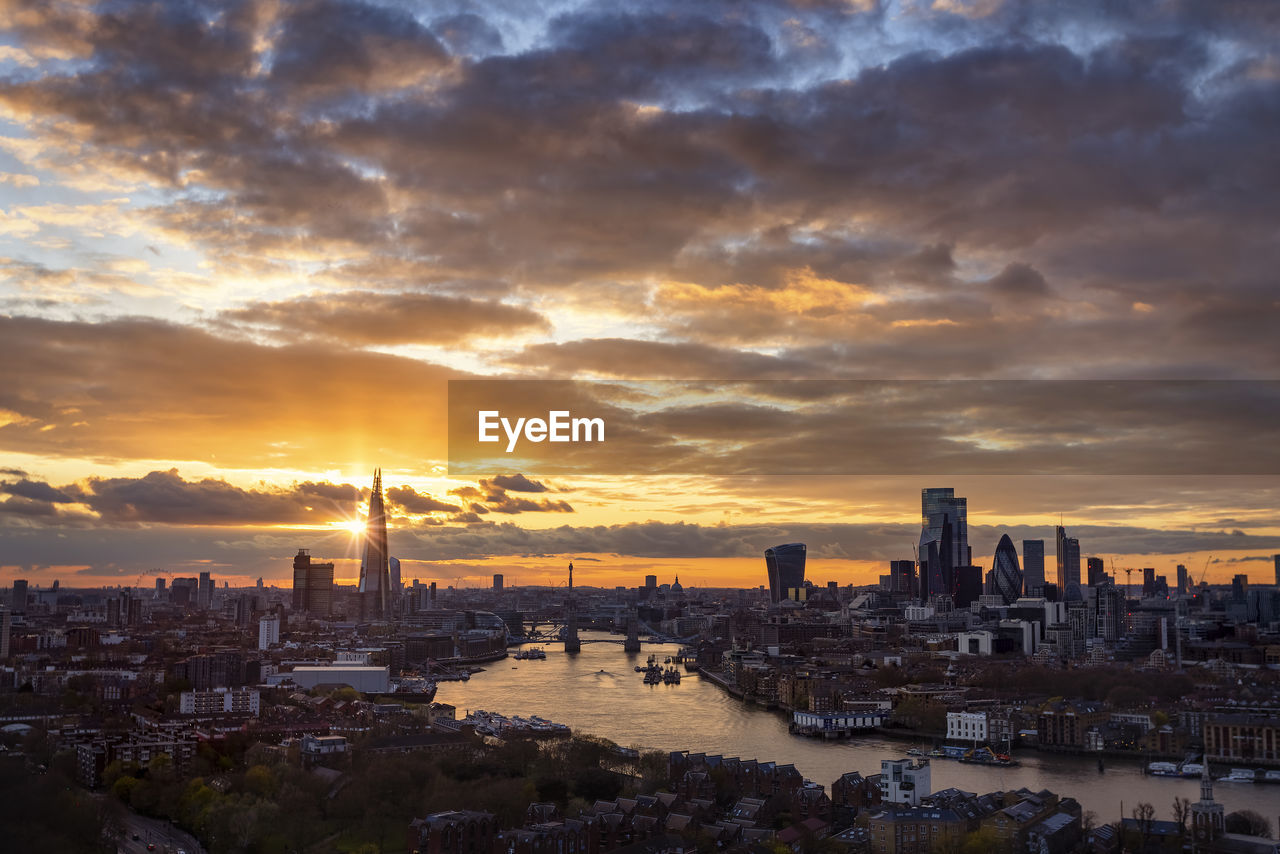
237, 275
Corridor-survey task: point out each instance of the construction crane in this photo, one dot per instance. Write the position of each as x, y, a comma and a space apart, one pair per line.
1128, 574
1204, 571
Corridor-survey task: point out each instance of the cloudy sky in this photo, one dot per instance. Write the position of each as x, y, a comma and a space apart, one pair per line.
244, 246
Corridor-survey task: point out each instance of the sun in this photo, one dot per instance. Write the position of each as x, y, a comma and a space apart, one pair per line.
354, 526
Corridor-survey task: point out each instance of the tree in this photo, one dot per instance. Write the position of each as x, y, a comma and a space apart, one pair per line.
1181, 812
980, 841
1144, 814
260, 781
123, 788
594, 784
653, 770
1248, 822
1126, 697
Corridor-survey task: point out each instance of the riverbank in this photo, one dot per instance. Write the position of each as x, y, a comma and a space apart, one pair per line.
599, 692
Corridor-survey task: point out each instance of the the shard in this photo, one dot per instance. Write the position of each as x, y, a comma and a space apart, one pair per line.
375, 580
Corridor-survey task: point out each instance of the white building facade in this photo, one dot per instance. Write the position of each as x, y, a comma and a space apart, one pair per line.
967, 726
220, 701
268, 632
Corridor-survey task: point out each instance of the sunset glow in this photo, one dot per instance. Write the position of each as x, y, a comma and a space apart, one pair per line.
244, 248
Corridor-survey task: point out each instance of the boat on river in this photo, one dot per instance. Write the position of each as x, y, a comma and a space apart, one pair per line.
1240, 775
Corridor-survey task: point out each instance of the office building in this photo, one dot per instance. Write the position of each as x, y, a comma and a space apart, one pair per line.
1276, 558
394, 566
1183, 582
268, 631
1005, 579
785, 568
1148, 580
1097, 572
204, 592
1033, 567
5, 624
312, 585
1239, 587
375, 570
1068, 565
902, 577
159, 588
497, 581
18, 600
967, 581
944, 541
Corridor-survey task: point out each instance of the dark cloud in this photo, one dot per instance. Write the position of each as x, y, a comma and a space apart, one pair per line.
363, 318
1018, 281
620, 148
880, 427
622, 357
36, 490
21, 506
492, 497
514, 483
419, 502
166, 497
331, 46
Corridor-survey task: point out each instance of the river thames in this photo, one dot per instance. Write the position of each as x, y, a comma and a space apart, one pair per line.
598, 692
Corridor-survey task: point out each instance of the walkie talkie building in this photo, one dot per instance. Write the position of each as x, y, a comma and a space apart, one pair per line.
785, 566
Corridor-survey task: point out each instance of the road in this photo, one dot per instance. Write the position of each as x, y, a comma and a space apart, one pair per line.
166, 838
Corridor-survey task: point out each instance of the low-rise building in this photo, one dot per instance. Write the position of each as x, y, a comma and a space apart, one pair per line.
904, 781
244, 701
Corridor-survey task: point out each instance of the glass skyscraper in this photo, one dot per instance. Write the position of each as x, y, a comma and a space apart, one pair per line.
944, 540
785, 567
1033, 567
1068, 565
374, 569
